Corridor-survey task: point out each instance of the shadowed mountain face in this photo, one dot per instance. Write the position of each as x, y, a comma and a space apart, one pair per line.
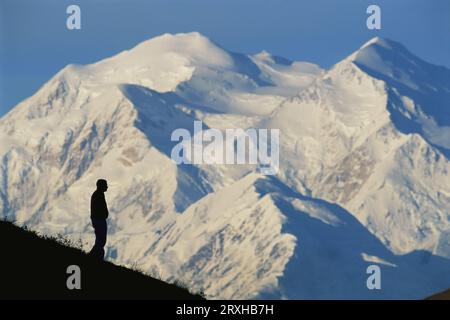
427, 87
334, 245
37, 269
364, 168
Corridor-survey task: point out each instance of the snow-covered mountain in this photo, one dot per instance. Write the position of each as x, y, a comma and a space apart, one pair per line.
364, 168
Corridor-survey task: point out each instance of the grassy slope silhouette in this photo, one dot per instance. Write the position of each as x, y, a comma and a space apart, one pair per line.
35, 267
440, 296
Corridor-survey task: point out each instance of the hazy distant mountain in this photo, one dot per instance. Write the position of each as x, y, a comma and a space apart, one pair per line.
364, 174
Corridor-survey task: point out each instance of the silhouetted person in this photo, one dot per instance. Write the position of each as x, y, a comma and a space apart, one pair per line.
99, 214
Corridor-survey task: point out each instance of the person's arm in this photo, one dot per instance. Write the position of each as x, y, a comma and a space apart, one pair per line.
94, 206
105, 207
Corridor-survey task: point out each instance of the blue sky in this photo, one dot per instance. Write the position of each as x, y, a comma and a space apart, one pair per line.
35, 44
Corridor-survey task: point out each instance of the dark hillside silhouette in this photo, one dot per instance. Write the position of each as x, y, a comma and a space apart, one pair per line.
440, 296
33, 267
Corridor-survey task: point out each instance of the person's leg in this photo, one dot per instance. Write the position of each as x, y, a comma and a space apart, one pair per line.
94, 247
102, 233
100, 238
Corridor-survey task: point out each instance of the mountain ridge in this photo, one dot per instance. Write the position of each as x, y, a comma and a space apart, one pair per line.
348, 149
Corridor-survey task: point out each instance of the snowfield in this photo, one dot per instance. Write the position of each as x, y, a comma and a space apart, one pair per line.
364, 172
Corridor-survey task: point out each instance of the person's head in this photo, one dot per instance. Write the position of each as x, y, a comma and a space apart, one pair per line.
102, 185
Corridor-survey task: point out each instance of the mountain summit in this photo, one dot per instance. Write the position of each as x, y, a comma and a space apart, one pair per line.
364, 168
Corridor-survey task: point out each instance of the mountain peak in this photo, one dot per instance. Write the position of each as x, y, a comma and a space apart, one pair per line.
161, 63
272, 59
379, 41
190, 39
387, 59
182, 50
380, 48
186, 44
380, 55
